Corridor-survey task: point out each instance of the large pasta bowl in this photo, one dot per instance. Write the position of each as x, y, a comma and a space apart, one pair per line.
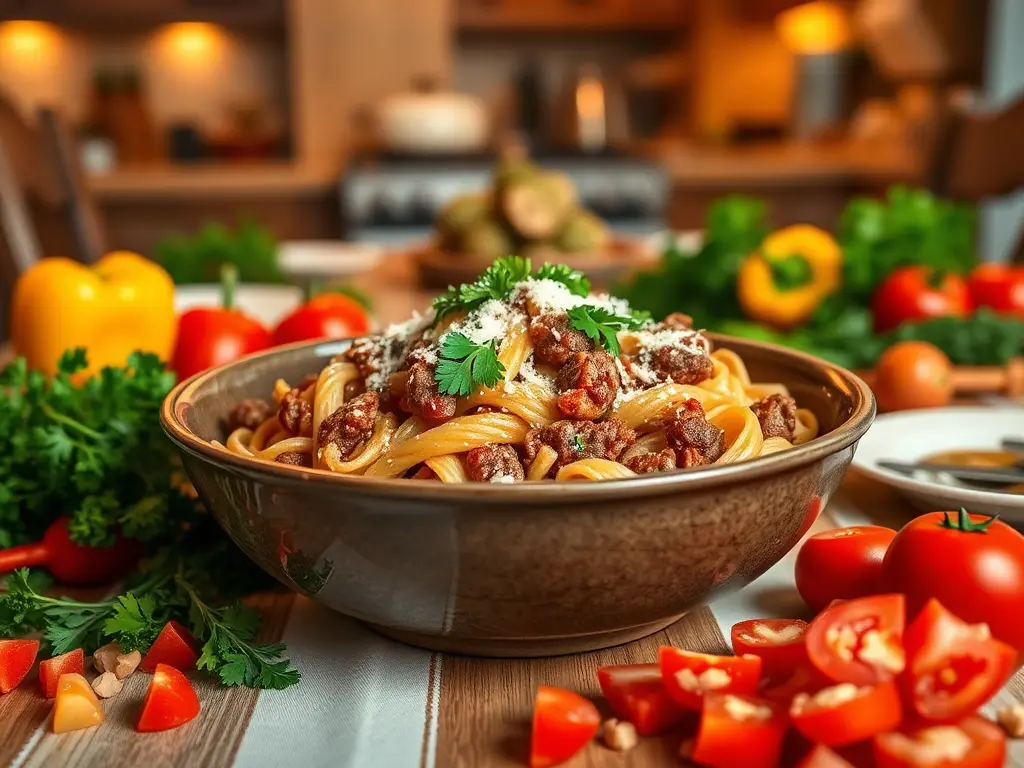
517, 570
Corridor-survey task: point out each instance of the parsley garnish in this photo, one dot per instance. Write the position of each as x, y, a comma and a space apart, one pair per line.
578, 445
601, 325
465, 364
573, 279
495, 283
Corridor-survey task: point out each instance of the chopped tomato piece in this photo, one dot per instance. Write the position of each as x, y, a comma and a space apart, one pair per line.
953, 667
845, 713
175, 646
859, 641
16, 660
636, 693
971, 743
563, 723
50, 671
76, 705
803, 679
779, 643
823, 757
171, 701
688, 675
739, 732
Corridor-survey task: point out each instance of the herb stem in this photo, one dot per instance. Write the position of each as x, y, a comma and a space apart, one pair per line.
67, 421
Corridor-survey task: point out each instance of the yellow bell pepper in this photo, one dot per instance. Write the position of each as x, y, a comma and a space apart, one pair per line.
795, 269
121, 304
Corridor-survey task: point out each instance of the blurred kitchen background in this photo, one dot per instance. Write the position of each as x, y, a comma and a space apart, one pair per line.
345, 120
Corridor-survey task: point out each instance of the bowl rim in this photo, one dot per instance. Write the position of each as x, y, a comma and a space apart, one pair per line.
698, 478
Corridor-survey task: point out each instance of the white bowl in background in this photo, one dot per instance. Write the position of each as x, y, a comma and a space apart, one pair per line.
325, 259
267, 303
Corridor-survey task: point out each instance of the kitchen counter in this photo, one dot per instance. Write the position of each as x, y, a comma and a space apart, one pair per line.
220, 180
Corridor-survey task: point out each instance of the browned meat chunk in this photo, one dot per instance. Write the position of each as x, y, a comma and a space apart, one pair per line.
295, 414
249, 414
777, 416
680, 366
588, 384
645, 463
677, 321
295, 459
422, 397
350, 425
555, 342
695, 441
494, 463
575, 440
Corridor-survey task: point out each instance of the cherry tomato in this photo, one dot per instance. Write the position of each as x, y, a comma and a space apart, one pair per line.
171, 701
910, 294
779, 643
842, 564
16, 660
971, 743
327, 316
739, 732
688, 675
859, 641
845, 713
913, 374
972, 564
636, 693
999, 287
804, 679
175, 647
953, 667
50, 670
823, 757
563, 723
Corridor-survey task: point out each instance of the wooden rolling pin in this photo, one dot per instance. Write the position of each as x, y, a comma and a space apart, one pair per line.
975, 379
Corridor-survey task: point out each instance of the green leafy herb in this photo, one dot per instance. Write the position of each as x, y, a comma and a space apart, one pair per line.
578, 445
199, 259
465, 364
135, 621
495, 283
572, 279
602, 325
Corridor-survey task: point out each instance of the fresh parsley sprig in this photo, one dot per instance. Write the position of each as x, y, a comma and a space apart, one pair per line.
465, 364
603, 326
573, 279
496, 283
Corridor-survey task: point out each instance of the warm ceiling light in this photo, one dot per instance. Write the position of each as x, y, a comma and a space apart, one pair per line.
191, 40
28, 39
817, 27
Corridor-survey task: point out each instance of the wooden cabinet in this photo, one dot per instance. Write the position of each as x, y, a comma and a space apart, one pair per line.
570, 15
107, 14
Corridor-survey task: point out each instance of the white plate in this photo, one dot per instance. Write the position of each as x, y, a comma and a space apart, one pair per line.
915, 435
326, 258
267, 303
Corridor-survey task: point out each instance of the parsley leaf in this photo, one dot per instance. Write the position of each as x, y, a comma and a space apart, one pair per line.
578, 445
602, 325
496, 283
135, 621
572, 279
465, 364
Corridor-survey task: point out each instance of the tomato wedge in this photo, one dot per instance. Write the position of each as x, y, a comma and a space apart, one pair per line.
971, 743
563, 723
50, 670
859, 641
739, 732
16, 660
171, 701
175, 646
803, 679
823, 757
636, 693
688, 675
845, 713
953, 667
779, 643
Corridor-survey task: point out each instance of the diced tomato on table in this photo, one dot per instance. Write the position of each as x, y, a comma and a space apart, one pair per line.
16, 660
175, 646
51, 670
636, 693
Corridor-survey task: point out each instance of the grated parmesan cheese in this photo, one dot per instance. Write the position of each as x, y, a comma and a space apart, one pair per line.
503, 479
491, 320
529, 374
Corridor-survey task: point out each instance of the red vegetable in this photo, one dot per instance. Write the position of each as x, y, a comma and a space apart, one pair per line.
739, 732
50, 670
175, 647
845, 714
563, 723
327, 316
171, 701
910, 294
210, 336
636, 693
73, 563
804, 679
971, 743
823, 757
688, 675
953, 668
859, 641
999, 287
972, 564
779, 643
842, 564
16, 660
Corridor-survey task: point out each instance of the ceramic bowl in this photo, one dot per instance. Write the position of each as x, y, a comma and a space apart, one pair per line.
525, 570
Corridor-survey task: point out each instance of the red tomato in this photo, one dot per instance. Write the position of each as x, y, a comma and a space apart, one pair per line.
859, 641
822, 757
688, 675
779, 643
842, 564
999, 287
175, 646
910, 294
971, 743
327, 316
845, 714
971, 564
636, 693
804, 679
16, 660
210, 337
739, 732
563, 723
953, 667
170, 701
50, 670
